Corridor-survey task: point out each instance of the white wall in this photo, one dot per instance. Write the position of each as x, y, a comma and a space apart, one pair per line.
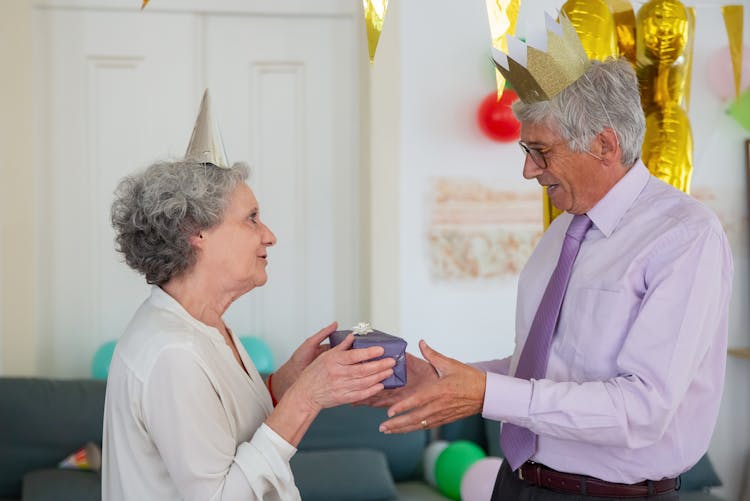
443, 73
18, 341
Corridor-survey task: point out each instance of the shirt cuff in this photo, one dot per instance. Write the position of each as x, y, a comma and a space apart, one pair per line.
266, 435
507, 399
275, 453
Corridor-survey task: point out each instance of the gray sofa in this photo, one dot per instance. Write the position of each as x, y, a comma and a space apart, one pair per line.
342, 457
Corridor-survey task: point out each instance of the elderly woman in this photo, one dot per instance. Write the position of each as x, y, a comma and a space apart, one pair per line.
187, 415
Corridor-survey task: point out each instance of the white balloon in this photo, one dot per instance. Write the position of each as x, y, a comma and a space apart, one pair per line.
479, 480
430, 457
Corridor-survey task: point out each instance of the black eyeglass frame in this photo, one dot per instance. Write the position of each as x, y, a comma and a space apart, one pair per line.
535, 155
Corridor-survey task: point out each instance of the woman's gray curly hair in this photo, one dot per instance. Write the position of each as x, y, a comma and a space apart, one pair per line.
155, 212
606, 96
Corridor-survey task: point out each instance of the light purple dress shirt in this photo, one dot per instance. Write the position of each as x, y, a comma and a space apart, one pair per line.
636, 368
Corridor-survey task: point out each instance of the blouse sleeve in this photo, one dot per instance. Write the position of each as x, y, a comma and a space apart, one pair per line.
189, 426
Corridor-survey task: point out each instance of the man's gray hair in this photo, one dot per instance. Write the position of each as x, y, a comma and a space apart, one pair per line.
606, 96
155, 212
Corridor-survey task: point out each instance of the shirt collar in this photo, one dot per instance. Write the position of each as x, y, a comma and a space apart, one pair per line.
606, 214
162, 300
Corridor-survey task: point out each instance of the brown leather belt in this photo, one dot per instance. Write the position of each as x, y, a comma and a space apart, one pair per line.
568, 483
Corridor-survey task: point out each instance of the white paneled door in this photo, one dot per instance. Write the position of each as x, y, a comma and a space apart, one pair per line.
293, 88
118, 89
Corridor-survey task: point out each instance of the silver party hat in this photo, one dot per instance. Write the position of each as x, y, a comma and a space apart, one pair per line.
206, 145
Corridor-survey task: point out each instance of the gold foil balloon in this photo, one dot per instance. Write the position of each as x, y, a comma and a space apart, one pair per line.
664, 44
374, 16
689, 59
550, 212
663, 86
662, 31
595, 26
622, 12
668, 146
594, 23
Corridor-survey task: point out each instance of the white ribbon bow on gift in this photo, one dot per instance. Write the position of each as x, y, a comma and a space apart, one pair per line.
362, 329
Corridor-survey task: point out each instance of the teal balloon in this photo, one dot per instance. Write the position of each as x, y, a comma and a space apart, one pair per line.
102, 358
740, 110
452, 463
260, 353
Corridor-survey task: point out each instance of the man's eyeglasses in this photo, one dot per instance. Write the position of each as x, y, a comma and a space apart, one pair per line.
537, 156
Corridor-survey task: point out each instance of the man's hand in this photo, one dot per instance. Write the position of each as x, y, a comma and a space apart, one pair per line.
419, 374
308, 351
458, 392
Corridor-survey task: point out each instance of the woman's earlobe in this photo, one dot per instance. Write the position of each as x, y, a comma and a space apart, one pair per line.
196, 238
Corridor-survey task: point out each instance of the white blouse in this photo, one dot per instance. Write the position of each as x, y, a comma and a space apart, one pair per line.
183, 420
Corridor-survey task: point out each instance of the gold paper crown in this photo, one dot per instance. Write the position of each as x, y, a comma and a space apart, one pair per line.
205, 144
538, 71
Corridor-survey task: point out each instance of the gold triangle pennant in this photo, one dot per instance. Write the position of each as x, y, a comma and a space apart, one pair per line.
374, 16
503, 16
733, 20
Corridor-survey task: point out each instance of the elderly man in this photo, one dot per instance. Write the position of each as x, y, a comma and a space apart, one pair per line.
614, 386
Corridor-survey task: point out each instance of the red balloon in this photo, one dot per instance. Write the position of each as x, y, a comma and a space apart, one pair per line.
496, 119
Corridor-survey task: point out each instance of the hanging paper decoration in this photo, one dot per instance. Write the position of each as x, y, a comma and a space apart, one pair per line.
374, 16
503, 16
733, 15
720, 73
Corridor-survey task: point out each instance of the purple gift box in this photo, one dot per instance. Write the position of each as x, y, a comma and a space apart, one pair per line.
394, 347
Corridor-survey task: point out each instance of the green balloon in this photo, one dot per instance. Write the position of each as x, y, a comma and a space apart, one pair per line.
453, 463
740, 110
101, 360
259, 353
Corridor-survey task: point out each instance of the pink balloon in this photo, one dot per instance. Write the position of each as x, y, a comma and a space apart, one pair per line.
721, 74
479, 480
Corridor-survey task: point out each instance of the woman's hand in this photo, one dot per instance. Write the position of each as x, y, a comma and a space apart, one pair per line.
308, 351
341, 376
334, 377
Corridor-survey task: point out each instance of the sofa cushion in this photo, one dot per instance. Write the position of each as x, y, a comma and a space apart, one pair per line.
418, 491
61, 485
700, 477
343, 474
43, 420
352, 427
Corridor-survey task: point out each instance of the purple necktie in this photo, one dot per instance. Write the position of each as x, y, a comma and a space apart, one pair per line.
519, 443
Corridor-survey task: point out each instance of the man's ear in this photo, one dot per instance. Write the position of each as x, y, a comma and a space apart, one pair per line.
609, 144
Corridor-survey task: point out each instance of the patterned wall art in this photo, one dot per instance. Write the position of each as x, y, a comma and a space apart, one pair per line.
734, 223
480, 231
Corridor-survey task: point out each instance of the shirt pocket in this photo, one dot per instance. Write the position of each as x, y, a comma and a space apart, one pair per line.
599, 322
